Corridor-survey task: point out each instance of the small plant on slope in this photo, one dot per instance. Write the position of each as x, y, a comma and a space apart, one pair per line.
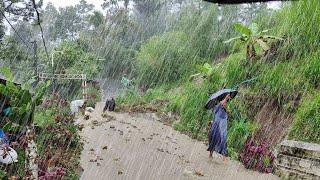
251, 36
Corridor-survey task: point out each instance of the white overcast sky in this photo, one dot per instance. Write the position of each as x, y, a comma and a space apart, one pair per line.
64, 3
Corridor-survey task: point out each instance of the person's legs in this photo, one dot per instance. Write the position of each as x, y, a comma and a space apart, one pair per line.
210, 154
225, 159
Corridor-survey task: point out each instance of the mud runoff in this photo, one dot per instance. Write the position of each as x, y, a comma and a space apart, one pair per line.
123, 146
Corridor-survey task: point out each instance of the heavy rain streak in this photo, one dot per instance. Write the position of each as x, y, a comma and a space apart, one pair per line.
159, 89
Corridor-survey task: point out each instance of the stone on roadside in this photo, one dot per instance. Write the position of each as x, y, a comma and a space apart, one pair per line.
86, 115
89, 109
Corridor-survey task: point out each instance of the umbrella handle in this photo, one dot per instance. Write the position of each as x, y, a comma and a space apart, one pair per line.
236, 87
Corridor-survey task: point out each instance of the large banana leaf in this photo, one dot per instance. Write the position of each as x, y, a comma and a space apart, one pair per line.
243, 29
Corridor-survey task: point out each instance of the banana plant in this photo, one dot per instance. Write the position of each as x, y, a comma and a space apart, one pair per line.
251, 36
21, 100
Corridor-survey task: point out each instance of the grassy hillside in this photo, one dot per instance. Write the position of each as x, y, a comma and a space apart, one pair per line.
281, 101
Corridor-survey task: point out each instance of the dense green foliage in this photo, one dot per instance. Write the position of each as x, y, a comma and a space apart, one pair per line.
165, 59
238, 133
20, 100
307, 120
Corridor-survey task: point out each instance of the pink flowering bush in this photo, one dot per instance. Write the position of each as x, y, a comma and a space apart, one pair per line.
257, 156
56, 174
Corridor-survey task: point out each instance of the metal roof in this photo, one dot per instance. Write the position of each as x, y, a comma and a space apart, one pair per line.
241, 1
3, 80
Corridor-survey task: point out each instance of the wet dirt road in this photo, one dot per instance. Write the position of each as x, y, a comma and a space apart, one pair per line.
140, 147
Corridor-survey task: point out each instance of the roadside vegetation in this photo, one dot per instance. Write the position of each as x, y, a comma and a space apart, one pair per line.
172, 56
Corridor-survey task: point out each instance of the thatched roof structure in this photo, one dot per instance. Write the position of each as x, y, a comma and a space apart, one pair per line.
240, 1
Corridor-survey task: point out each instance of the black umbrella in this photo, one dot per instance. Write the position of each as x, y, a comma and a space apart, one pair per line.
219, 96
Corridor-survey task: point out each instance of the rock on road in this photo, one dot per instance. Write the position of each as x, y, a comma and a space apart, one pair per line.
139, 147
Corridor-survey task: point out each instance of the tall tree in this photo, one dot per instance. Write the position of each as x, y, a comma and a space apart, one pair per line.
17, 8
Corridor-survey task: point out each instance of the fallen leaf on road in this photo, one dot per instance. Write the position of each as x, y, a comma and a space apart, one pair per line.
95, 122
161, 150
121, 133
198, 172
80, 127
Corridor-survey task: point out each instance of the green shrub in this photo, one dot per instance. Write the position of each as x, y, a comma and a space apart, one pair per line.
166, 58
44, 118
238, 133
128, 97
177, 99
158, 93
306, 123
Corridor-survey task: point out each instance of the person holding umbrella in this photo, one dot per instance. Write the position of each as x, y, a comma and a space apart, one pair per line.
218, 132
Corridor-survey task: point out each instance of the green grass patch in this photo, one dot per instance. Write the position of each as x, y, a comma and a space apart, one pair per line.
238, 133
44, 118
281, 80
306, 125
